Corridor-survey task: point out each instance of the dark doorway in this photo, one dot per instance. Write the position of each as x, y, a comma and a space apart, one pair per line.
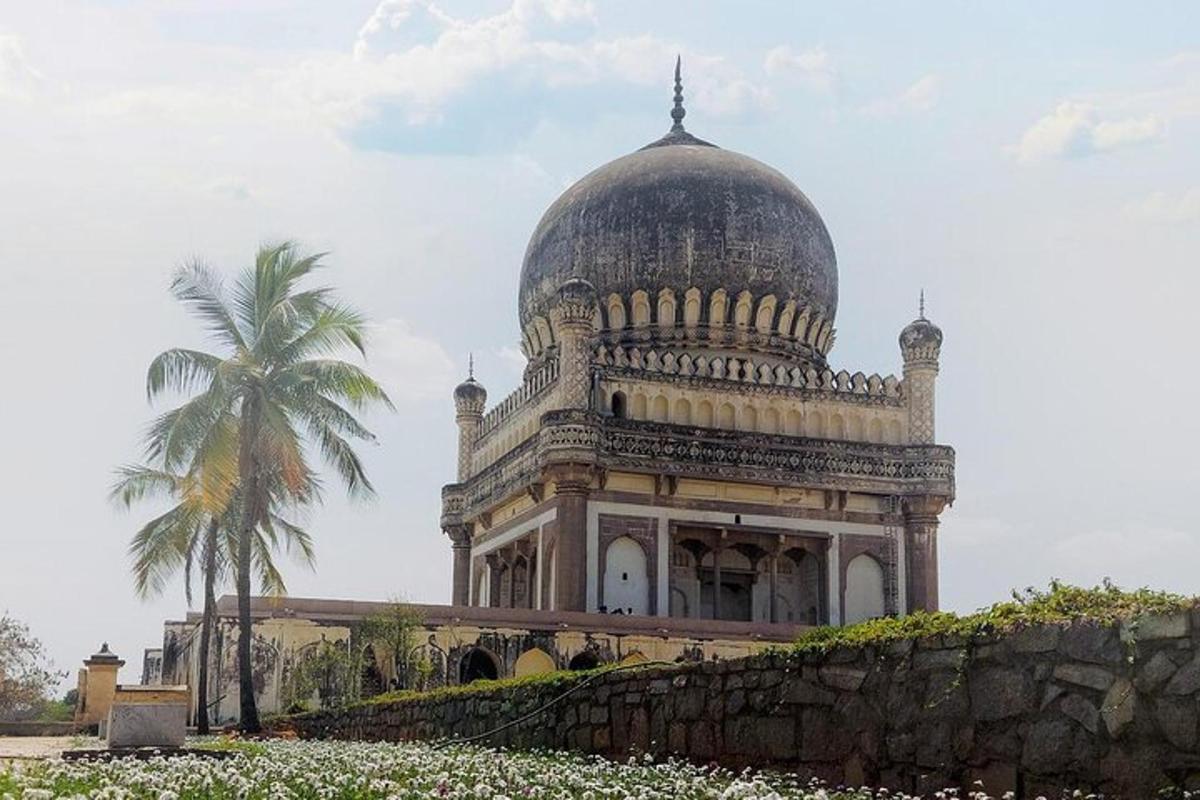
618, 405
477, 665
584, 660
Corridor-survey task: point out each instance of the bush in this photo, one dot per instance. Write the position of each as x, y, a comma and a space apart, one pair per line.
1104, 604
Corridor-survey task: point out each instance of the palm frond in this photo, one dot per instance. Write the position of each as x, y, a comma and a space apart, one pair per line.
136, 482
202, 291
339, 380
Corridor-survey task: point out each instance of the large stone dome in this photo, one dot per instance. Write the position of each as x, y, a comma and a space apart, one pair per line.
681, 214
684, 218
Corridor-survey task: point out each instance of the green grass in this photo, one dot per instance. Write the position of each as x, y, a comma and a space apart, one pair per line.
1105, 604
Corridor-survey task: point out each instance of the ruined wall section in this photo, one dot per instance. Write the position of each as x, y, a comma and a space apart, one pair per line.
1102, 708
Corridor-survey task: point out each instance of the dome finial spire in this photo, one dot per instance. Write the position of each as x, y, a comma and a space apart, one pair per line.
677, 113
471, 366
921, 306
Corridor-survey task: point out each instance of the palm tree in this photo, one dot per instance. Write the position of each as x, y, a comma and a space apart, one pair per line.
198, 526
277, 378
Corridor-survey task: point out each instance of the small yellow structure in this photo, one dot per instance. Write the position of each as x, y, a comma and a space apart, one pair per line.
97, 686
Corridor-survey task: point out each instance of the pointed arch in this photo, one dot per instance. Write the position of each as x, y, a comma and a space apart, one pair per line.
640, 303
616, 312
665, 318
718, 308
764, 319
691, 307
743, 309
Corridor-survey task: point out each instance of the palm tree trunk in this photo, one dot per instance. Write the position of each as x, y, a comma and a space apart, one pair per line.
206, 624
248, 479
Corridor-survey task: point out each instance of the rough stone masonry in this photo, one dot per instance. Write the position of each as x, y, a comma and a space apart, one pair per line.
1111, 708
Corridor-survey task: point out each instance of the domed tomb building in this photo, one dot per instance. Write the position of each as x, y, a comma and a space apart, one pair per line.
681, 445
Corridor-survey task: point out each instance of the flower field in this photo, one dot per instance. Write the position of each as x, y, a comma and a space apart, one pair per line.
348, 771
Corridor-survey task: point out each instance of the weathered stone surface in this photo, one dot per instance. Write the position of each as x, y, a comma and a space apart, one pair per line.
1154, 672
841, 677
1118, 705
1035, 639
1186, 680
1084, 675
1155, 626
1095, 644
1048, 746
147, 725
1082, 711
1177, 719
1000, 692
805, 693
1060, 721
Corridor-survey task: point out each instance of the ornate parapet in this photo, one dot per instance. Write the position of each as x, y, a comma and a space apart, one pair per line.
588, 440
725, 372
536, 383
777, 459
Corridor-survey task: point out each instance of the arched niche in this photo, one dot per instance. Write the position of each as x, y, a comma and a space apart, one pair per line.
534, 661
478, 664
584, 661
626, 578
863, 595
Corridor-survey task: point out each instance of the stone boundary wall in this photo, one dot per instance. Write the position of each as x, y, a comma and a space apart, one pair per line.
1100, 708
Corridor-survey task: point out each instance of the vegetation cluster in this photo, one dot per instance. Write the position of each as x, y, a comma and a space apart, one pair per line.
1105, 604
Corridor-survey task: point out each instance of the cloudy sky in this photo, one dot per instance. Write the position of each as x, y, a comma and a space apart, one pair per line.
1032, 166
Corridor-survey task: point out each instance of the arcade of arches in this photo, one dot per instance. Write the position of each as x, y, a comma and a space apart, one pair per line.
727, 573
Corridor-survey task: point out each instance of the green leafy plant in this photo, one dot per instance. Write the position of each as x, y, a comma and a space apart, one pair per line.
1104, 604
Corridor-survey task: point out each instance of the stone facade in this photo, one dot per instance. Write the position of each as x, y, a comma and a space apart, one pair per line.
677, 309
460, 644
1103, 708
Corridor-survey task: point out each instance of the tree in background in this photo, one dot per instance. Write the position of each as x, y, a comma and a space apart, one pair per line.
277, 377
27, 677
198, 529
395, 633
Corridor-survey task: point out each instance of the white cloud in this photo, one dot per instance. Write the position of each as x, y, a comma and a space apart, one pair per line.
920, 97
411, 367
1075, 129
412, 53
1164, 207
18, 79
812, 68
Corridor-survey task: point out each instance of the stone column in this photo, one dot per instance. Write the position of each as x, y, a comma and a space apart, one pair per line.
493, 568
572, 322
717, 578
460, 546
920, 546
774, 556
920, 344
572, 486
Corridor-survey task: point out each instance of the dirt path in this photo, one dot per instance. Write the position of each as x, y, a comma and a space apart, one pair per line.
36, 747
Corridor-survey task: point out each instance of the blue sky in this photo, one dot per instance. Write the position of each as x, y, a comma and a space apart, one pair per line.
1029, 165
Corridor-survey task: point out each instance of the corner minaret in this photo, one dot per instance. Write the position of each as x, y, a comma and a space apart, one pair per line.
469, 399
920, 344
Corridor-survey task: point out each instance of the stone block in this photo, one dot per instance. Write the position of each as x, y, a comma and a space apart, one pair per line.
846, 678
1095, 644
1117, 708
1001, 692
1154, 626
1154, 672
1087, 675
147, 725
1036, 639
1177, 719
1081, 710
802, 692
1186, 680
